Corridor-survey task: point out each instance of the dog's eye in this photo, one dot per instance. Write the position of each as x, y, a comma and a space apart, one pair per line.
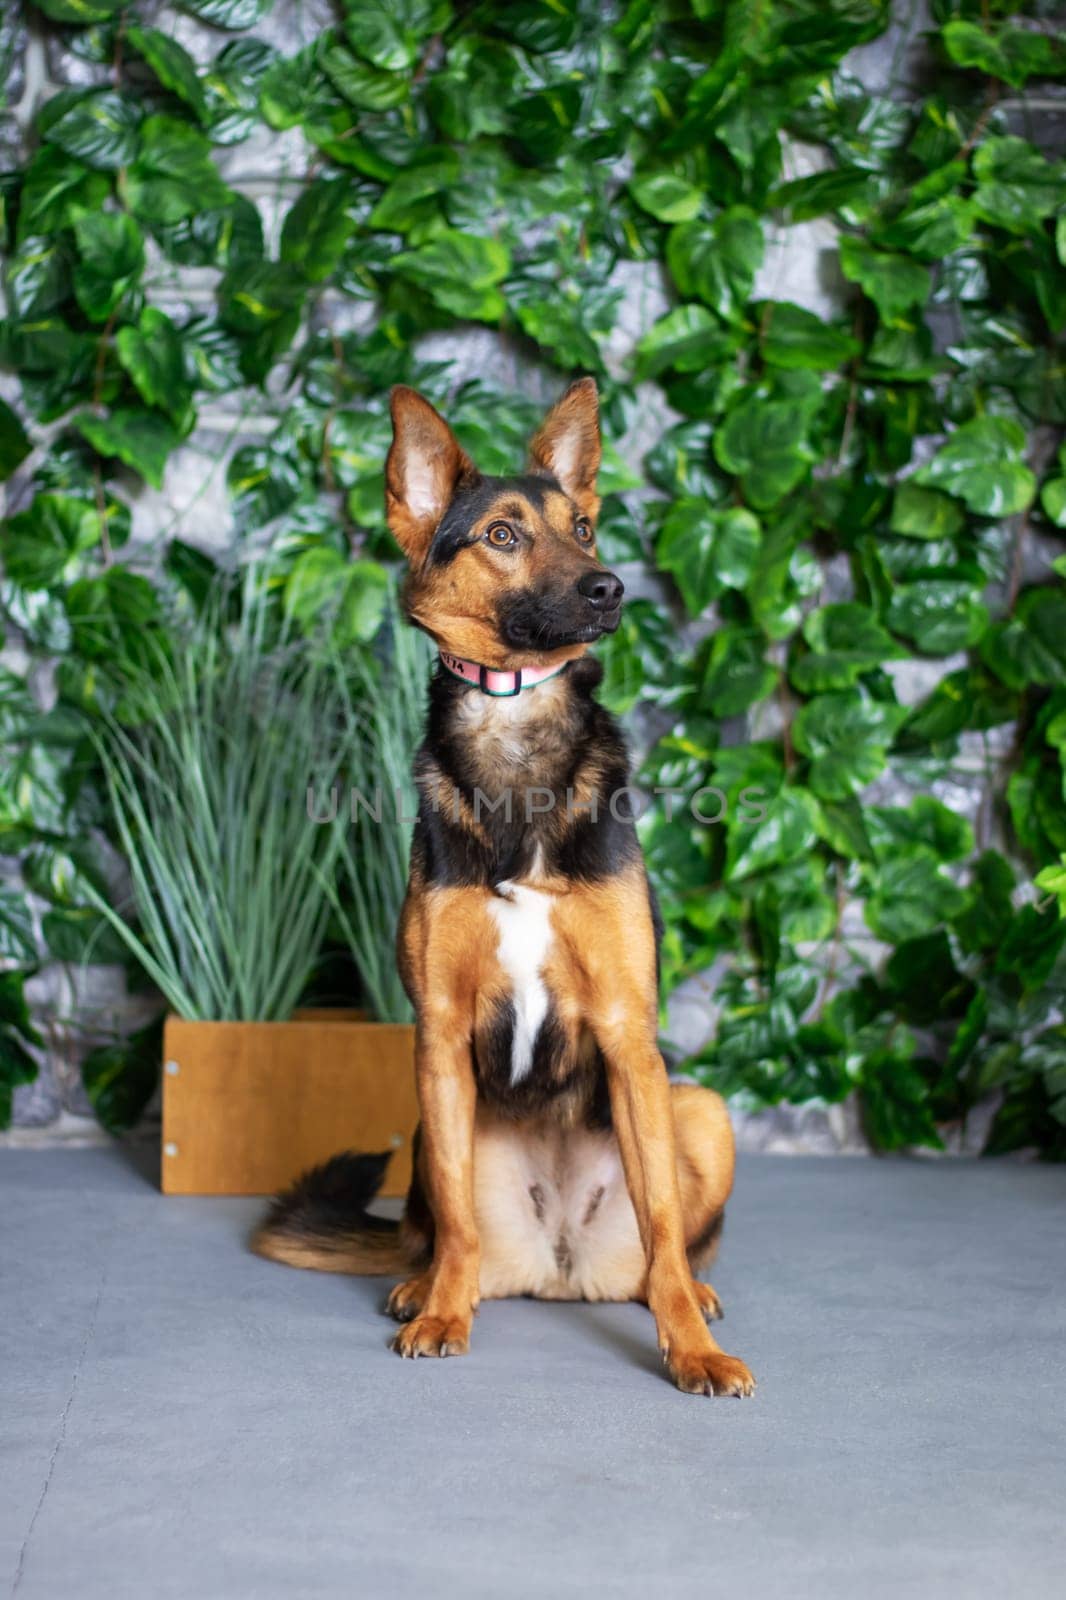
500, 535
584, 530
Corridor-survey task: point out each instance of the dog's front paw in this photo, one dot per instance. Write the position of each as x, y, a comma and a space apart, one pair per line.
433, 1336
710, 1372
407, 1299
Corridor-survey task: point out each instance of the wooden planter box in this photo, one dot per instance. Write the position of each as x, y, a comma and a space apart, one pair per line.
248, 1106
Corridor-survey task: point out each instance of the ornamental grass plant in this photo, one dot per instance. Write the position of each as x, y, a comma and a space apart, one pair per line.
208, 758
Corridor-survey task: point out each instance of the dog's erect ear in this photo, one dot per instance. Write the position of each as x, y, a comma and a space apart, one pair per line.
567, 444
425, 465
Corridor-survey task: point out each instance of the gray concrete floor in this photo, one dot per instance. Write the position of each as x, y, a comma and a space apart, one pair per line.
180, 1419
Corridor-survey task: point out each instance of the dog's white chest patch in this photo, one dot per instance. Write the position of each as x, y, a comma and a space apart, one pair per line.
523, 917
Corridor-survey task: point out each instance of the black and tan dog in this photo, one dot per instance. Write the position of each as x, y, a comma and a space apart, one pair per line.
554, 1159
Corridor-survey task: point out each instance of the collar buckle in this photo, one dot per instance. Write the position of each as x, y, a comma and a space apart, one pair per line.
499, 694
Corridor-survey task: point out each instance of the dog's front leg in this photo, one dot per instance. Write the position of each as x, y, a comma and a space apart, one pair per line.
644, 1124
448, 1293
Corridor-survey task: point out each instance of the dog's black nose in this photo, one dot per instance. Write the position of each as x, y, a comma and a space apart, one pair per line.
601, 589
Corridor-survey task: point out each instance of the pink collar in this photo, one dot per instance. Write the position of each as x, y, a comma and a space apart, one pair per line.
490, 681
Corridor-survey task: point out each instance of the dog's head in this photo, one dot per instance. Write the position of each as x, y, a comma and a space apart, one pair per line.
502, 571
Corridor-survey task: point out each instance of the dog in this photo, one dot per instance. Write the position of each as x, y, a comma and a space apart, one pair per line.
553, 1159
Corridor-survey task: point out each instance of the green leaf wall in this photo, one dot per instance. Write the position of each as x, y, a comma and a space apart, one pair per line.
826, 320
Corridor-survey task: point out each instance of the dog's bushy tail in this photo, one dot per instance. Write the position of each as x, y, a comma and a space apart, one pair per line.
322, 1221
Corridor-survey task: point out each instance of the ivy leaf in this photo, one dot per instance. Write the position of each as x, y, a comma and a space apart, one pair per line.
110, 615
97, 126
54, 361
687, 339
174, 176
1052, 880
111, 260
707, 549
351, 594
17, 941
931, 229
60, 874
1053, 500
902, 350
80, 11
1011, 54
361, 84
316, 228
262, 302
222, 236
633, 656
717, 261
841, 825
924, 981
1031, 646
80, 935
14, 441
806, 911
738, 674
460, 272
142, 439
263, 481
925, 824
415, 193
845, 189
666, 196
358, 444
43, 544
121, 1078
231, 89
235, 14
152, 355
912, 897
921, 513
939, 615
544, 122
557, 325
846, 737
16, 1066
985, 920
37, 276
57, 191
172, 65
786, 832
292, 91
845, 640
390, 32
735, 540
792, 337
472, 95
970, 1031
895, 1104
1031, 945
765, 443
539, 25
893, 282
982, 464
14, 1010
1016, 187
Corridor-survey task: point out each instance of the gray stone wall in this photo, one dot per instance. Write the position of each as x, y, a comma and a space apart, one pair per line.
78, 1009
